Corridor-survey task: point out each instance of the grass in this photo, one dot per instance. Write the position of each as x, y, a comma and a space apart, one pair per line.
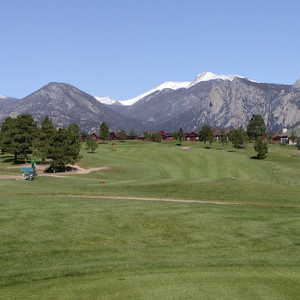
56, 247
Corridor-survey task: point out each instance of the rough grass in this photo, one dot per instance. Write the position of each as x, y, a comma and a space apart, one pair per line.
55, 247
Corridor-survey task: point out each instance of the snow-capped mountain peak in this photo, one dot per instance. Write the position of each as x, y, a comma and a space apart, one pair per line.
206, 76
106, 100
3, 97
173, 85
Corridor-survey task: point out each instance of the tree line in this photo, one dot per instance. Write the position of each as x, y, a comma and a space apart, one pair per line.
23, 138
256, 132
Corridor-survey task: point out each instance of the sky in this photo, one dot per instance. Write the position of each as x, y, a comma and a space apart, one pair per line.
122, 48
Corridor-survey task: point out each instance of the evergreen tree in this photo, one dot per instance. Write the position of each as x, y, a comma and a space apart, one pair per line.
156, 137
45, 135
104, 131
206, 134
238, 138
179, 137
224, 137
256, 127
261, 147
26, 133
91, 145
17, 135
298, 143
74, 142
7, 134
57, 152
122, 135
64, 148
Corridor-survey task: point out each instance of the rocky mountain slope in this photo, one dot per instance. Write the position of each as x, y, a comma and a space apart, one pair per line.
219, 100
7, 105
220, 103
66, 104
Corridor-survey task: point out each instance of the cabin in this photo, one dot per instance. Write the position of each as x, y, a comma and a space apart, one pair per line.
166, 136
191, 136
141, 137
113, 136
94, 137
218, 133
280, 139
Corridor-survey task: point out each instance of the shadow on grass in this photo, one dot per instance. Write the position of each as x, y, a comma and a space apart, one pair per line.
60, 170
257, 158
11, 160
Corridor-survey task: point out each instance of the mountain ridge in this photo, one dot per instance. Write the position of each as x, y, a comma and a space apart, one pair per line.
174, 85
227, 101
66, 104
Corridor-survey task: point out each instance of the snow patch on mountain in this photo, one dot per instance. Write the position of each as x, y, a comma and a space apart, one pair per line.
3, 97
173, 85
107, 100
206, 76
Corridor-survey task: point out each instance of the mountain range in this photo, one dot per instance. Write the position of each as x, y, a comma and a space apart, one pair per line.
222, 101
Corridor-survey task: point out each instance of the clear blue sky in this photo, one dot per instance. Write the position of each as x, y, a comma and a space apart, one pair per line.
121, 48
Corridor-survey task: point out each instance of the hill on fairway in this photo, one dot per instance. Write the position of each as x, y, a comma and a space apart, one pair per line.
54, 246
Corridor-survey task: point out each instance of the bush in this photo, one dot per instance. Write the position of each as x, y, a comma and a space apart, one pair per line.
238, 138
261, 148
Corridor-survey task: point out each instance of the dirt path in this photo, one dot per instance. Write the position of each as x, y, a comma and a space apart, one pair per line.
153, 199
215, 202
11, 177
41, 171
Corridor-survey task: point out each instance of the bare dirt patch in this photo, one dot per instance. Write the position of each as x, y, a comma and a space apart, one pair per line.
186, 148
41, 170
11, 177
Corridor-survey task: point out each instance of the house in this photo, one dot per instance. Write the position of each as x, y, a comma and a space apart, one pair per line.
191, 136
94, 137
218, 133
112, 136
166, 136
280, 138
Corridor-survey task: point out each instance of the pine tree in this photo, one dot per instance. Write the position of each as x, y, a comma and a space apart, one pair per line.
7, 134
64, 148
298, 143
45, 135
17, 135
261, 148
256, 127
104, 131
179, 137
224, 137
74, 143
91, 145
156, 137
206, 134
57, 150
122, 135
238, 138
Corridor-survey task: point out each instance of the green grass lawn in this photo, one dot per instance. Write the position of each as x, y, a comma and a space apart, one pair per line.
57, 247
